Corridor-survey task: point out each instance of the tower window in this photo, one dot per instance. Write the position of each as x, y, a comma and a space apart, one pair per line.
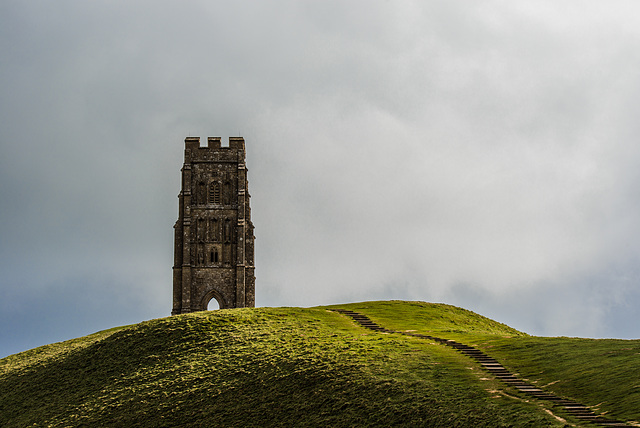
214, 193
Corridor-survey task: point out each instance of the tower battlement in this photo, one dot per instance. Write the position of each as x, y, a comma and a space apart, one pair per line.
213, 253
214, 150
193, 143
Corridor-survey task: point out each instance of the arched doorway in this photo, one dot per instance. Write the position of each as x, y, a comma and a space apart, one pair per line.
213, 300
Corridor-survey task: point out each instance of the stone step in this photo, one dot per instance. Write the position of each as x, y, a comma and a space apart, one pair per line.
553, 398
610, 423
576, 407
521, 385
475, 354
544, 395
527, 387
576, 410
508, 378
568, 403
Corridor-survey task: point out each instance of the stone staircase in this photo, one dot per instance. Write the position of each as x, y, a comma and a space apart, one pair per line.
491, 365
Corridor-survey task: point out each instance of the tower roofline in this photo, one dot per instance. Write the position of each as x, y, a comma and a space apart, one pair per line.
214, 143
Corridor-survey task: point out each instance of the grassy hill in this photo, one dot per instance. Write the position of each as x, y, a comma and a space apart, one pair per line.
310, 367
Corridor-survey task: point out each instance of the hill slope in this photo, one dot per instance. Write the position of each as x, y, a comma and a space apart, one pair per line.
268, 367
600, 373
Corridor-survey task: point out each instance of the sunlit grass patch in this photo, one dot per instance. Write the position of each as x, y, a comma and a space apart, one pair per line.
265, 367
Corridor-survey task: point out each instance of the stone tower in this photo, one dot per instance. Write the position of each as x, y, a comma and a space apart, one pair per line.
213, 252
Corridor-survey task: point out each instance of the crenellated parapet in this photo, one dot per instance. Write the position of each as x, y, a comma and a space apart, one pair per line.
214, 150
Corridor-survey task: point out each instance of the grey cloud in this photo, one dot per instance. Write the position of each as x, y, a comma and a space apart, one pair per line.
394, 151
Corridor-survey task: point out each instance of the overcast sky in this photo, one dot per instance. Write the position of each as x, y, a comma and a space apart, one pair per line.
481, 154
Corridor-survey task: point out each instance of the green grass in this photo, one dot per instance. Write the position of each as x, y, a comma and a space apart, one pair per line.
601, 373
436, 319
252, 367
291, 367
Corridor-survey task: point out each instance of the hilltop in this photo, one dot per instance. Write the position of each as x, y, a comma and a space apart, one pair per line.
311, 367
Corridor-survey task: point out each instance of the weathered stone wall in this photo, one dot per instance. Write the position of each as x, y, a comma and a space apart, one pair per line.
214, 238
